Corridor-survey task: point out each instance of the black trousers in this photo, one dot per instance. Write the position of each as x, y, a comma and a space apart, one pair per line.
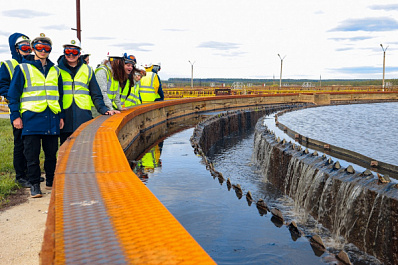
32, 146
19, 157
63, 137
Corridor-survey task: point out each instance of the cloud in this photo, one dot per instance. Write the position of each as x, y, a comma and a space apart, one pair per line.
4, 33
231, 54
57, 27
4, 48
221, 46
392, 7
101, 38
359, 38
174, 30
134, 46
368, 24
364, 70
24, 13
344, 49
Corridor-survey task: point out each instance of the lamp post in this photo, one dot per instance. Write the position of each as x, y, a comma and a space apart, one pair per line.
280, 78
384, 62
191, 73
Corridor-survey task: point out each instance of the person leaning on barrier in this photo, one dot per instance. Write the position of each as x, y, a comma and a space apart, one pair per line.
19, 47
130, 96
150, 86
109, 76
86, 57
35, 96
80, 90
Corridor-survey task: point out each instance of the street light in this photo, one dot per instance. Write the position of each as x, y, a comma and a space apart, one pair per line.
384, 61
280, 78
191, 73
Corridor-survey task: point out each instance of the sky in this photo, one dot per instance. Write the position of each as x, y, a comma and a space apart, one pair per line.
317, 39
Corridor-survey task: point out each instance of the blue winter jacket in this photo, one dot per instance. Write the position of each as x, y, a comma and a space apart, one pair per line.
5, 79
75, 116
42, 123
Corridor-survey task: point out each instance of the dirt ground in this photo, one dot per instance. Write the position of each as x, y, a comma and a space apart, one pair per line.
22, 225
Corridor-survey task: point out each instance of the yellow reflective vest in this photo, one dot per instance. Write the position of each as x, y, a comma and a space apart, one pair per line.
10, 64
77, 89
112, 84
131, 99
148, 88
40, 92
151, 159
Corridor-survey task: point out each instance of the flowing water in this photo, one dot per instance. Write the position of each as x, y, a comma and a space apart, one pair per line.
231, 230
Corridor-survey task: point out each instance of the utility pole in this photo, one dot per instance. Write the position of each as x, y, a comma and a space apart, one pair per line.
78, 27
191, 73
280, 78
384, 62
320, 81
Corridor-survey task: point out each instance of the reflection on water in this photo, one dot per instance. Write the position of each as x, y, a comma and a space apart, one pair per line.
149, 162
224, 225
367, 129
229, 228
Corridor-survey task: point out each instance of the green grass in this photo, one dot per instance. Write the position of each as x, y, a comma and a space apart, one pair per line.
7, 173
6, 146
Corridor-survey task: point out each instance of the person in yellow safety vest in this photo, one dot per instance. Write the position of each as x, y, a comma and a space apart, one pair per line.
150, 86
80, 90
19, 47
130, 95
134, 98
35, 96
151, 160
109, 75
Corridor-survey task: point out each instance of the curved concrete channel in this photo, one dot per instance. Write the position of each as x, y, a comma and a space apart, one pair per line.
101, 212
358, 206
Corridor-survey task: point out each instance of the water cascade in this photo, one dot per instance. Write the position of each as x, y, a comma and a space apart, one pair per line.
355, 206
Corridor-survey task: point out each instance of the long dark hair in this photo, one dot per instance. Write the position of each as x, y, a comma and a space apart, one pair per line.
131, 79
118, 69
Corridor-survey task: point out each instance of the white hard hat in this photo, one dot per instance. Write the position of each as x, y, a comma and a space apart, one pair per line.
73, 42
139, 70
42, 37
147, 65
115, 54
22, 39
85, 53
157, 64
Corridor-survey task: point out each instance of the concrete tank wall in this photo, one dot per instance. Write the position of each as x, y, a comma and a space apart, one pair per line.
353, 205
99, 145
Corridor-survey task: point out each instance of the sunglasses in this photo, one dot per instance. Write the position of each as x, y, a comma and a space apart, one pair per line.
42, 47
71, 51
24, 47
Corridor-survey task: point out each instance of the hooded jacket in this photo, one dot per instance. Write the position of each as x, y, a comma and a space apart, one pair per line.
75, 116
34, 123
5, 79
